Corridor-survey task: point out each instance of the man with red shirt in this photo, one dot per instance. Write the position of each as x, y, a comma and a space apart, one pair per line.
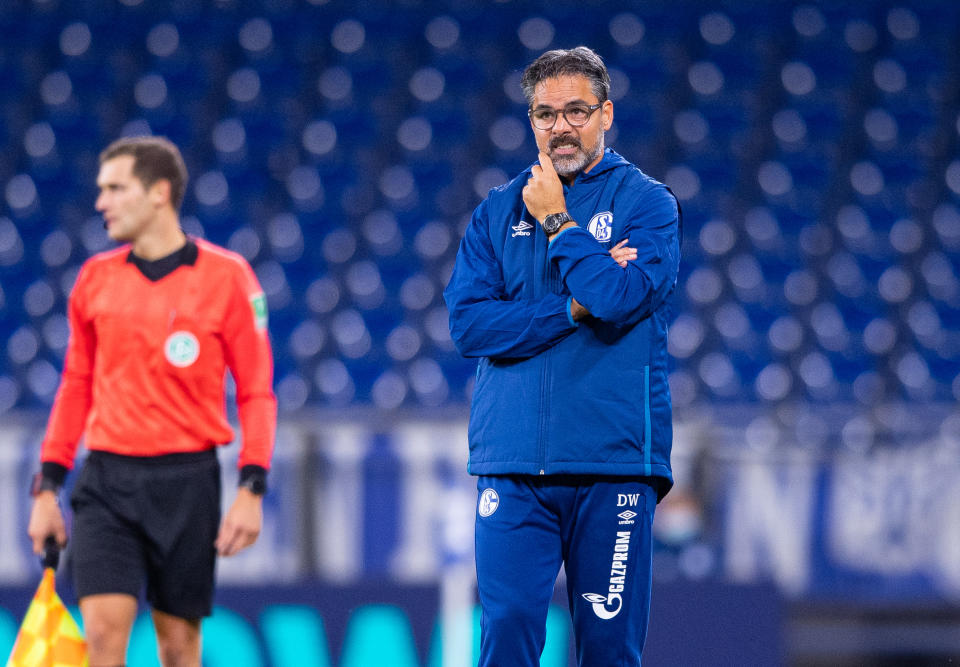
154, 325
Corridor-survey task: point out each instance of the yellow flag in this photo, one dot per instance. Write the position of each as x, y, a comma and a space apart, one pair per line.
48, 637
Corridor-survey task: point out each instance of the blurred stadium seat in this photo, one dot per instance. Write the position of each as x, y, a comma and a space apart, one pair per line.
342, 148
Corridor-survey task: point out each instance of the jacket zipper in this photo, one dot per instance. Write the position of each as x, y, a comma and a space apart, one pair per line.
550, 282
544, 408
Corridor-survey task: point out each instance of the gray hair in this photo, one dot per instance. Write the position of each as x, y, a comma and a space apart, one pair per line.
580, 61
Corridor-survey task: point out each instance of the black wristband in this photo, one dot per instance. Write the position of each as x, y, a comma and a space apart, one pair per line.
55, 472
254, 479
41, 484
50, 478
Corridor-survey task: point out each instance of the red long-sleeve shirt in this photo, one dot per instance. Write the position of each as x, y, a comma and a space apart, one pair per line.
146, 363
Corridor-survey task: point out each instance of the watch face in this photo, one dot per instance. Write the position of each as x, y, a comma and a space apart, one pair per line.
255, 486
554, 221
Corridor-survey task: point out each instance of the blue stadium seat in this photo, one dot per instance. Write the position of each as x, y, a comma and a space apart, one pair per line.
815, 132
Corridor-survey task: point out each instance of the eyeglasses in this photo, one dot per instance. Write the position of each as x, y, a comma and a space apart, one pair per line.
577, 115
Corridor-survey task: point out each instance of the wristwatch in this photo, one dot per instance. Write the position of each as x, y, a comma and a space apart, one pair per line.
555, 221
255, 484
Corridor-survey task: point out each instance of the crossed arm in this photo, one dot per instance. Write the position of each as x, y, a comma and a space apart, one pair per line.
622, 254
485, 322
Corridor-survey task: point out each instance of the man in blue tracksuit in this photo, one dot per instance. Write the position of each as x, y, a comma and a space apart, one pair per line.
561, 289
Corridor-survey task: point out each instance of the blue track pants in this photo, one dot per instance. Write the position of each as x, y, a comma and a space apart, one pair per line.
599, 529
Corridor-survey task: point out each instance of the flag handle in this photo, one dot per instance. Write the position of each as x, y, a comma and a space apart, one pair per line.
51, 553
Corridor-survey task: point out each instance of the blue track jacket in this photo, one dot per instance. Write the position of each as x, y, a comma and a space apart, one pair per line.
554, 396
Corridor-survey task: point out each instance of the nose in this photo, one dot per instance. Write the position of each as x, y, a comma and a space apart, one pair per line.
561, 124
100, 204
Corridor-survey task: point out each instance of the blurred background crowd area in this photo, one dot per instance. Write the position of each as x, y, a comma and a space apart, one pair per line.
342, 146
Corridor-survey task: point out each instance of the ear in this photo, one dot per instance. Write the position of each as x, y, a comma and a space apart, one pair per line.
159, 192
607, 111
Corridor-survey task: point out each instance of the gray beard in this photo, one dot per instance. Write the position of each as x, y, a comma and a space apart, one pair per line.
573, 165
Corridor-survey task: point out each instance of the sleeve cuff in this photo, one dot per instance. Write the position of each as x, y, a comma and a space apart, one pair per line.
253, 476
55, 472
562, 232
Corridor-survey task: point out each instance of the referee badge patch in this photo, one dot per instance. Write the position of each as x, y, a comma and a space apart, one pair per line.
259, 304
181, 348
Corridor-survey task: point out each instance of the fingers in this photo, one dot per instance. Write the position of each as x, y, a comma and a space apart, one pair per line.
535, 173
225, 543
546, 163
46, 521
60, 535
39, 541
621, 254
617, 253
543, 192
233, 539
241, 525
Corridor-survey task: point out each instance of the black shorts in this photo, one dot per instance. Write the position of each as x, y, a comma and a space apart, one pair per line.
152, 521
